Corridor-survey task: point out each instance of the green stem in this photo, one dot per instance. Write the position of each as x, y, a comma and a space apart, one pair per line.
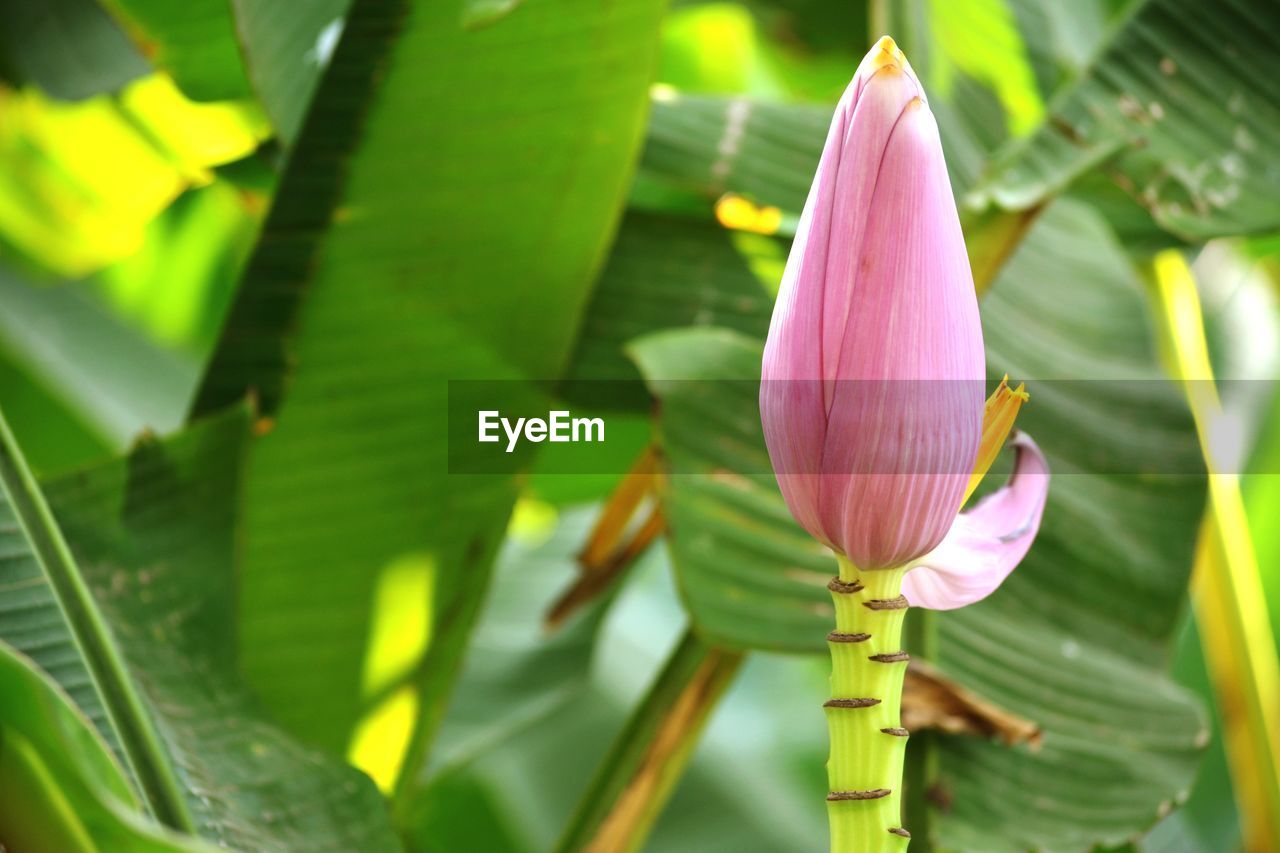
867, 743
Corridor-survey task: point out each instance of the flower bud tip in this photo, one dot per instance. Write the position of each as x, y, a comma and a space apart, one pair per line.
885, 54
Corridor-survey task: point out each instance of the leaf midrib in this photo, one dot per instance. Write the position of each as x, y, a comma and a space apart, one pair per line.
126, 714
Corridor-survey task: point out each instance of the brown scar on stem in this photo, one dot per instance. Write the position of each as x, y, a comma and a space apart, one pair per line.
897, 731
890, 657
850, 703
897, 830
842, 637
899, 603
844, 587
873, 794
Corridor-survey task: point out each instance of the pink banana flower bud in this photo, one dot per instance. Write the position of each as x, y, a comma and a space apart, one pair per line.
873, 372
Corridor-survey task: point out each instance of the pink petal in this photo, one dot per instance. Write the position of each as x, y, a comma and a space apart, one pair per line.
809, 316
908, 404
886, 98
986, 543
873, 371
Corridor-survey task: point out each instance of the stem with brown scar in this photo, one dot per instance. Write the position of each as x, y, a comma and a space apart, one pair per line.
867, 741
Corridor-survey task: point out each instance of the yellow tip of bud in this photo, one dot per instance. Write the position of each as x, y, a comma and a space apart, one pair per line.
886, 53
886, 44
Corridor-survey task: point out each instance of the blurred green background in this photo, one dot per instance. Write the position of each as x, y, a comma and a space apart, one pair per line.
331, 208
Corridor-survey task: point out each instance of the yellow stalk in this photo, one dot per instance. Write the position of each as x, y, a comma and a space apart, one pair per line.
1227, 592
998, 416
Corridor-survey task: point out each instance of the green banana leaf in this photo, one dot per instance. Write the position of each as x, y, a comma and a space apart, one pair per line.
71, 49
388, 266
1179, 108
63, 790
121, 587
195, 41
286, 48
